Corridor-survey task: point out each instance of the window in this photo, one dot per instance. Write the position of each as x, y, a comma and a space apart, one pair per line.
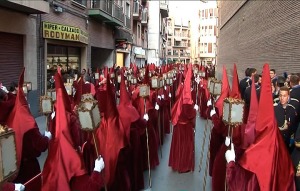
206, 13
202, 13
209, 47
138, 32
81, 2
127, 9
211, 13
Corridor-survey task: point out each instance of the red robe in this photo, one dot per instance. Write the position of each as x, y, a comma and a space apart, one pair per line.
33, 145
182, 155
87, 183
8, 187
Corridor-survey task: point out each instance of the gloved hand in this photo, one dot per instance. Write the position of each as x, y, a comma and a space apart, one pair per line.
99, 164
170, 95
146, 117
52, 114
48, 134
209, 102
196, 107
19, 187
4, 89
227, 141
159, 97
230, 154
212, 112
162, 96
156, 106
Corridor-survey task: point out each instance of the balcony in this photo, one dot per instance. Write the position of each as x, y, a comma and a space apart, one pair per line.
164, 9
127, 22
107, 12
26, 6
144, 17
136, 11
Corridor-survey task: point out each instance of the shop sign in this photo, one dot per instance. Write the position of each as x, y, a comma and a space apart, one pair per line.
64, 32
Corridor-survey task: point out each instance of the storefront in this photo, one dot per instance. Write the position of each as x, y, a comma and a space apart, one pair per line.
66, 47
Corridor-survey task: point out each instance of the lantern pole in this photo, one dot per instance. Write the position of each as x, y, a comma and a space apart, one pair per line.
148, 154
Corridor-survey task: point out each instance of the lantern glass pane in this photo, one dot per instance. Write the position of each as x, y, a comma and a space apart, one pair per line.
217, 88
96, 116
46, 106
226, 111
85, 120
8, 155
97, 76
237, 113
154, 82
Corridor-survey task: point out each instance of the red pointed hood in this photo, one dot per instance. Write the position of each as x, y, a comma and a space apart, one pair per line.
78, 94
268, 157
63, 162
224, 93
249, 135
20, 119
59, 84
187, 95
235, 90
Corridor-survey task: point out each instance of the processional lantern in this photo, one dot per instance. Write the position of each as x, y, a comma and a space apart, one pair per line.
119, 78
155, 82
144, 90
133, 80
8, 154
161, 82
46, 105
88, 113
51, 93
201, 74
97, 76
169, 81
215, 87
112, 75
70, 80
233, 111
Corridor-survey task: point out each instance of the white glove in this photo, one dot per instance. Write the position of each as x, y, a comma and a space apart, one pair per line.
230, 154
156, 106
227, 141
165, 87
170, 95
162, 96
52, 114
159, 97
146, 117
209, 102
19, 187
99, 164
212, 112
48, 134
196, 107
4, 89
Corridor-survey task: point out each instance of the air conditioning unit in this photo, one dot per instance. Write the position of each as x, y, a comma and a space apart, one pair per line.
58, 9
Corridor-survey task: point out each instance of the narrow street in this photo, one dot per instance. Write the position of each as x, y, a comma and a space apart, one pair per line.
163, 177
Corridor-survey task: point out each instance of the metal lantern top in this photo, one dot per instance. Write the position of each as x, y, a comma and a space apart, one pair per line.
46, 105
215, 87
8, 154
70, 80
144, 90
233, 111
87, 97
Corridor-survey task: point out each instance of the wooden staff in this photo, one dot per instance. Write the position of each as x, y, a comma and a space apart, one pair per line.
32, 179
158, 126
148, 154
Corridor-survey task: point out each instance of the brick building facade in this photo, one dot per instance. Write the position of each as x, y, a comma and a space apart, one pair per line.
252, 33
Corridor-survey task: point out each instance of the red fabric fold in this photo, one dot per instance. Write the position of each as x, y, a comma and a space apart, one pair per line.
224, 92
235, 90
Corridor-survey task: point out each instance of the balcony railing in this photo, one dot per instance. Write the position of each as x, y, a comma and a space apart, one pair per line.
118, 12
183, 44
104, 5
